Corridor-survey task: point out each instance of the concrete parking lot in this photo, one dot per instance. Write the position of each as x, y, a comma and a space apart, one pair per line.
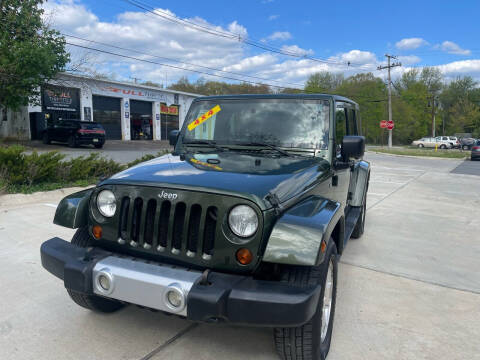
120, 151
408, 289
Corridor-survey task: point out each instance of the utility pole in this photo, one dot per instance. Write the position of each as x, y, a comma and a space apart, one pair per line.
433, 117
389, 66
135, 79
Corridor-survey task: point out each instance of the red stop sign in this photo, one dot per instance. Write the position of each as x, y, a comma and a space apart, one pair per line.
383, 124
390, 124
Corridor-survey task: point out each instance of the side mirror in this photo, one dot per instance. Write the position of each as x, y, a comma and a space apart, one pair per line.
173, 136
353, 147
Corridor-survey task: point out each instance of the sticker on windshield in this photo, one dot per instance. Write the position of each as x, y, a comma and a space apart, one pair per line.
204, 117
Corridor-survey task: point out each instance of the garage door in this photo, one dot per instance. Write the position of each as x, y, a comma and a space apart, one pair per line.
106, 111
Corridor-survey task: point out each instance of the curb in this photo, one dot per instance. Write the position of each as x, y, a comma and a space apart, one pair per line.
418, 156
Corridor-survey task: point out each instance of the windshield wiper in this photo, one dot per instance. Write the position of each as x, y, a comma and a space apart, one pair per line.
271, 146
210, 143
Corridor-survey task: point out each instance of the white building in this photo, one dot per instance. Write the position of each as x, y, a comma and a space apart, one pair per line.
126, 111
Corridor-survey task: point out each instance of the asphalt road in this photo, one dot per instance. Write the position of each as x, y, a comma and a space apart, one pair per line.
408, 289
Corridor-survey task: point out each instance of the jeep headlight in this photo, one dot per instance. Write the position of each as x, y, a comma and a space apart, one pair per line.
106, 203
243, 221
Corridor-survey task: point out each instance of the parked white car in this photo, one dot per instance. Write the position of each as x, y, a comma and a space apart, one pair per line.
453, 140
431, 142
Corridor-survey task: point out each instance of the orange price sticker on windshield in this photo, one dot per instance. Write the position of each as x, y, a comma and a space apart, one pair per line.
204, 117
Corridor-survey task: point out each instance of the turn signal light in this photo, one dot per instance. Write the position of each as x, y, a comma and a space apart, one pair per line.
97, 231
244, 256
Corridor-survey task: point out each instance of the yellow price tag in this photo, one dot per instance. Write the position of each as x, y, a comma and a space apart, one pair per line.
195, 161
204, 117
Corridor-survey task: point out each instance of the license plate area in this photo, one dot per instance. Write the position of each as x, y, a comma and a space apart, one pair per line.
141, 283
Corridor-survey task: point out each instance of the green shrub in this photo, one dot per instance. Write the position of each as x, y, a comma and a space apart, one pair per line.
20, 172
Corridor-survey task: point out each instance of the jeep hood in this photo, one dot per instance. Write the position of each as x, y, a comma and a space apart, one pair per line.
252, 176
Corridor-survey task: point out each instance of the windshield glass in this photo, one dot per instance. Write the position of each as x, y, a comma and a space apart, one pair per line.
286, 123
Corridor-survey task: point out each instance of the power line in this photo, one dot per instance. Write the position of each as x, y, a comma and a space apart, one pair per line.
178, 61
202, 72
236, 37
171, 66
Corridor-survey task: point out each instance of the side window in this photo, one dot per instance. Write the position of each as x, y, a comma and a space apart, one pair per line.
351, 122
340, 128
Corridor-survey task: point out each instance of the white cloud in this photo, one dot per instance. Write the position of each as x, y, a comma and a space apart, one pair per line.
410, 43
252, 63
280, 35
145, 33
464, 67
453, 48
297, 50
409, 59
273, 17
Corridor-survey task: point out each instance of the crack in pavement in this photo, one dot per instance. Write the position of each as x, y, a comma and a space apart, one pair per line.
169, 341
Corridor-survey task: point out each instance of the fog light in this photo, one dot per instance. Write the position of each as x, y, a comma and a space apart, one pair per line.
174, 297
97, 232
104, 282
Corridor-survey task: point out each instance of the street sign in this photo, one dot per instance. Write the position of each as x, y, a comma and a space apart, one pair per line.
390, 124
383, 124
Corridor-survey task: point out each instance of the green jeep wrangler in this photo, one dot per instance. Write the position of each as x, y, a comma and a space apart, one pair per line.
243, 223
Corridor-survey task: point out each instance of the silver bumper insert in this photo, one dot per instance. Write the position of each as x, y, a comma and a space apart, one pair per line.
158, 287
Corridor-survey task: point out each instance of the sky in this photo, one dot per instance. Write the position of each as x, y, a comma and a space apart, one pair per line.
343, 37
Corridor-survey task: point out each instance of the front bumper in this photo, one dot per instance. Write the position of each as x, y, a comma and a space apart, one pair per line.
237, 299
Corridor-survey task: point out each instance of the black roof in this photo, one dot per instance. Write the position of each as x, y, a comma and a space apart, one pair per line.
277, 96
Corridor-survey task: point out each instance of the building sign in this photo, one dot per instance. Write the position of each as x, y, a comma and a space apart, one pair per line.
127, 92
170, 110
60, 98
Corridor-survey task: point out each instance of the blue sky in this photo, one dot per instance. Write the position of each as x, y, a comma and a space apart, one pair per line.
422, 33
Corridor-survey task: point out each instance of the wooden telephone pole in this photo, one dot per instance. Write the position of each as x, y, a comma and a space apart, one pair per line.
389, 66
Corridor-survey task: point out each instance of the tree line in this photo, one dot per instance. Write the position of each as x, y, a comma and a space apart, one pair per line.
417, 96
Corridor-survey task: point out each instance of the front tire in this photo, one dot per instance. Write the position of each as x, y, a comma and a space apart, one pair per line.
443, 146
311, 340
420, 146
45, 138
98, 146
91, 302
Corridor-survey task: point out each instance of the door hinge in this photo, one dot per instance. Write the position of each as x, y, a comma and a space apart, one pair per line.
275, 201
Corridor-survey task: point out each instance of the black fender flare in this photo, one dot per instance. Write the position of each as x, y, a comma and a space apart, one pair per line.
297, 235
72, 211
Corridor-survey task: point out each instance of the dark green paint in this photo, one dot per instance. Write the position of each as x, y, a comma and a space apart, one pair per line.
72, 212
244, 175
294, 191
298, 233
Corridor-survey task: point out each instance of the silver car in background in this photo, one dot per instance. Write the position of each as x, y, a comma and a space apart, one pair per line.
431, 142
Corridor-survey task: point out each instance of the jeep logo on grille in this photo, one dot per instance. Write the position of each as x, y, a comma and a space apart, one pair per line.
165, 195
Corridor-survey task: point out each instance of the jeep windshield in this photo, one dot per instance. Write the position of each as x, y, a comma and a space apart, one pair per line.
275, 124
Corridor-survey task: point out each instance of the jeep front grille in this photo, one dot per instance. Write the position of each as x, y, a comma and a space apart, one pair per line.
191, 227
163, 225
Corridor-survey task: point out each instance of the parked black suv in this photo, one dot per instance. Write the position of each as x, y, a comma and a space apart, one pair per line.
75, 133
